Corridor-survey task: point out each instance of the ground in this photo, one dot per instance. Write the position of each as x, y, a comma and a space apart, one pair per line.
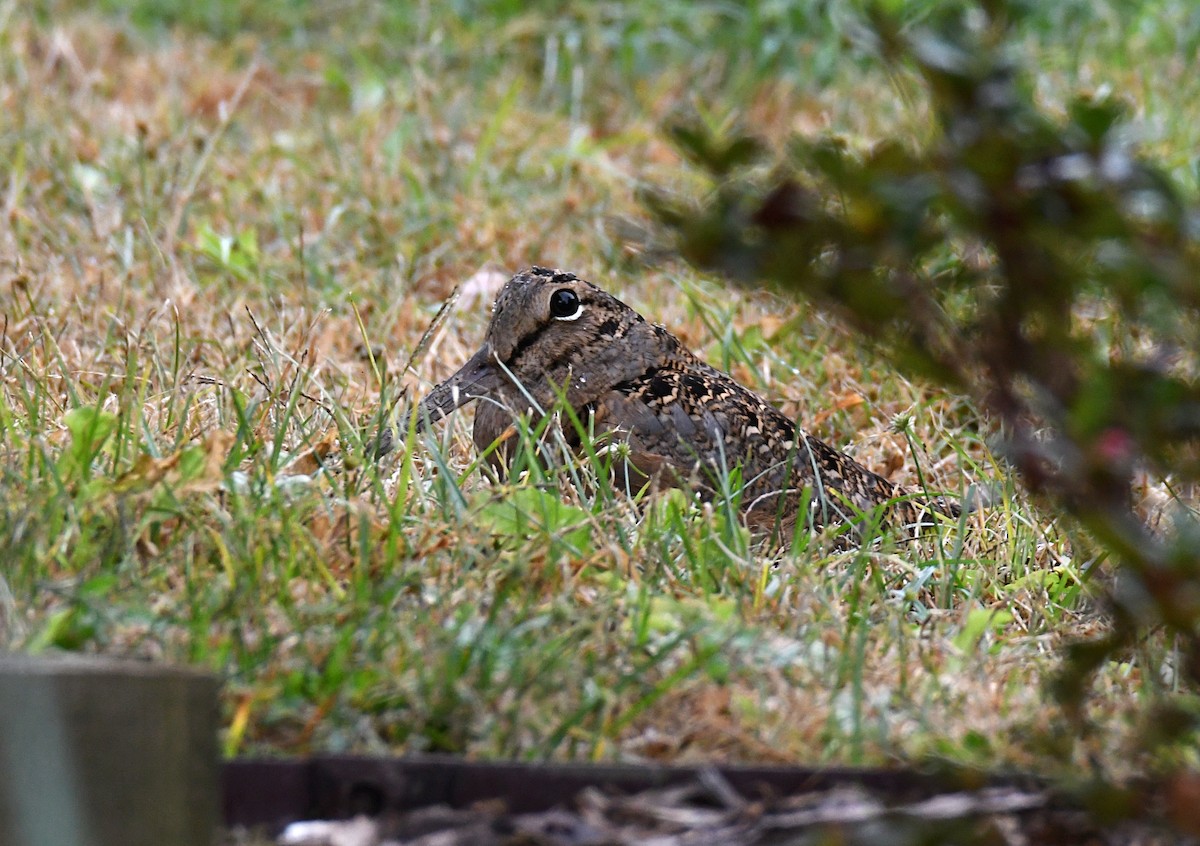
227, 226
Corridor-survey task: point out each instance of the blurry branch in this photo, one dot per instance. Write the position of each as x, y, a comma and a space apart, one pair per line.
1032, 263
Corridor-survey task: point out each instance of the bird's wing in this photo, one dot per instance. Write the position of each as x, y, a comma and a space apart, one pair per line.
695, 419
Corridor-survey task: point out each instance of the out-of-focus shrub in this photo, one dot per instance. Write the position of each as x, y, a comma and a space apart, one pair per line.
1036, 264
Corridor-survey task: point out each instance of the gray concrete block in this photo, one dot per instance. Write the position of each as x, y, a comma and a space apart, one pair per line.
104, 752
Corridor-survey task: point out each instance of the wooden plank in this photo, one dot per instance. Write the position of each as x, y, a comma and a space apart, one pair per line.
272, 793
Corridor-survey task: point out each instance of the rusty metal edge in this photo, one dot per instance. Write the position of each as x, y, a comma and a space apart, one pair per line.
270, 793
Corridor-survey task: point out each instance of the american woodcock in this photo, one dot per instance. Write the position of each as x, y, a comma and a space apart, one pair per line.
553, 334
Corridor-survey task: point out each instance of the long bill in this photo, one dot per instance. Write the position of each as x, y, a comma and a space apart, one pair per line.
477, 378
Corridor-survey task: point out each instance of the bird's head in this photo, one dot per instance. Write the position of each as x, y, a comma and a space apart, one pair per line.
552, 330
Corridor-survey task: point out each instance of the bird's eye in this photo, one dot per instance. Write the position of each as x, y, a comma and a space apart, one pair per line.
564, 305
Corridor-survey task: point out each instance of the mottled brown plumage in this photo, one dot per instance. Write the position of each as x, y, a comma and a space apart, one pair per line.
683, 420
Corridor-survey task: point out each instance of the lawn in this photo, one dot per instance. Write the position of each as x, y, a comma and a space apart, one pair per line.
227, 227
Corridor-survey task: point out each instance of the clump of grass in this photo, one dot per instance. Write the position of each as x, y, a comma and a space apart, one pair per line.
220, 247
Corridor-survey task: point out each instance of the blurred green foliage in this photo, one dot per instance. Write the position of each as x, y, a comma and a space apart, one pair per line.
559, 41
1033, 262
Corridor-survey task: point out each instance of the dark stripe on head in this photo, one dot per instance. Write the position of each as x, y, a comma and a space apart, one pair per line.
611, 325
525, 343
533, 337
